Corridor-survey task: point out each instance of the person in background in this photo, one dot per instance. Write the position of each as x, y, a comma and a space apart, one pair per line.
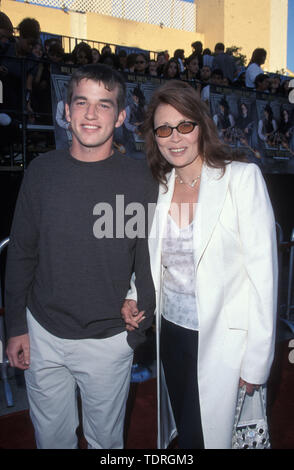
205, 75
161, 61
254, 68
240, 78
141, 64
213, 255
49, 42
192, 68
55, 57
197, 48
39, 105
179, 55
274, 84
131, 62
106, 49
68, 59
6, 37
262, 83
38, 50
152, 68
16, 79
122, 57
112, 60
207, 58
285, 88
95, 55
225, 62
216, 78
6, 32
171, 70
82, 54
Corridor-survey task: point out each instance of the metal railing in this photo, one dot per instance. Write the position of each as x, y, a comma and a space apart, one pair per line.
290, 295
3, 245
4, 363
286, 279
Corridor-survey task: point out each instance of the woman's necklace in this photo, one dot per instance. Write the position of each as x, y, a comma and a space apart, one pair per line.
193, 182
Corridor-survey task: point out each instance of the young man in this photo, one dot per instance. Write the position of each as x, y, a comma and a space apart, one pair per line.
69, 265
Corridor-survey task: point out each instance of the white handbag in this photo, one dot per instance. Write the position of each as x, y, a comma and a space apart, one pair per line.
250, 430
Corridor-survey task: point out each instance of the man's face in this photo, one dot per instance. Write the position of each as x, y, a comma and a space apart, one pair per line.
26, 44
141, 64
93, 115
152, 66
263, 86
37, 50
161, 59
123, 62
5, 36
194, 65
55, 57
82, 58
205, 73
216, 79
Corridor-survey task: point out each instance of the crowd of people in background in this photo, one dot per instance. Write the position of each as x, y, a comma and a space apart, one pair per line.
203, 66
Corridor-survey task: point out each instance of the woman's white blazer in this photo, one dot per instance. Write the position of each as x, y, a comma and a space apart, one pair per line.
235, 253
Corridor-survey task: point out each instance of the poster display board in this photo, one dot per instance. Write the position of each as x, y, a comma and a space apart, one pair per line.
260, 125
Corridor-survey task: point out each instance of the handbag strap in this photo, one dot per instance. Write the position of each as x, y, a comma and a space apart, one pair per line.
240, 402
262, 399
239, 406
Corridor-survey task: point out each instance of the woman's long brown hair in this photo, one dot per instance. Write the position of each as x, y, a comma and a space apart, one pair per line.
183, 97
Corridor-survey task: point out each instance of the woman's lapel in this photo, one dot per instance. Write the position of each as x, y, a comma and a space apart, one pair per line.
212, 194
159, 223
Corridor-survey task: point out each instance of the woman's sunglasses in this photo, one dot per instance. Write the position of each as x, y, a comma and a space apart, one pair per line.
183, 128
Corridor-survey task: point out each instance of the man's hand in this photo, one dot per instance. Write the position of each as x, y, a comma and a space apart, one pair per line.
131, 315
249, 387
18, 351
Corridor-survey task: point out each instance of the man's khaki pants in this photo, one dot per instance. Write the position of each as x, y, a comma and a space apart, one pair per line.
101, 368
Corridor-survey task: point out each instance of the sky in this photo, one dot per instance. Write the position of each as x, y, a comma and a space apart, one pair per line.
290, 49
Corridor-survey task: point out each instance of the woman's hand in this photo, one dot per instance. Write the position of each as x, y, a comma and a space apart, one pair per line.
131, 315
250, 388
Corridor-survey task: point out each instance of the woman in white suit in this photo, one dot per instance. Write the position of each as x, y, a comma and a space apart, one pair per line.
214, 265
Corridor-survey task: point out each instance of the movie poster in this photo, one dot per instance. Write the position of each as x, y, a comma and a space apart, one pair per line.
275, 136
128, 138
234, 114
261, 125
59, 85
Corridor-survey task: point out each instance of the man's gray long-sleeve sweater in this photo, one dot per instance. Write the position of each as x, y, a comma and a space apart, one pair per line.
74, 282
